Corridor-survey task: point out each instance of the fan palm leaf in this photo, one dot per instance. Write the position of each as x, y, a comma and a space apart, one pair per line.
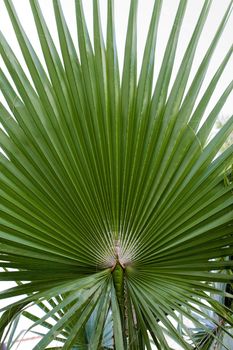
115, 206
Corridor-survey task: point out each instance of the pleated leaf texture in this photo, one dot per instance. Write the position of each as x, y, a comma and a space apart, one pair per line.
116, 206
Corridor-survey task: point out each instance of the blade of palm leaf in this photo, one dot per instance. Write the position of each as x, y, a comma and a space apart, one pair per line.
29, 95
29, 217
135, 334
107, 340
15, 137
17, 233
19, 218
176, 303
69, 58
28, 288
198, 288
195, 209
74, 75
27, 116
68, 51
201, 107
9, 315
170, 328
104, 298
38, 74
33, 234
101, 74
202, 161
17, 134
189, 243
27, 92
209, 152
35, 190
55, 70
46, 44
194, 275
31, 276
55, 289
193, 202
9, 211
143, 97
221, 310
13, 249
182, 259
207, 126
160, 310
178, 88
179, 281
221, 200
67, 301
101, 70
57, 76
172, 108
192, 94
35, 67
119, 337
177, 294
147, 214
211, 224
180, 284
159, 99
46, 309
210, 334
9, 334
37, 264
149, 319
180, 151
113, 81
69, 55
203, 212
100, 317
96, 124
143, 321
22, 185
44, 324
84, 300
205, 183
128, 94
53, 302
73, 71
211, 265
163, 81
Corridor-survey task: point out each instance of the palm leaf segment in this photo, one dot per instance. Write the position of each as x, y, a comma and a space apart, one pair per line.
113, 203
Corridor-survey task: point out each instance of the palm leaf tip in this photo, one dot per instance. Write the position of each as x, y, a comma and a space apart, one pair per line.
115, 206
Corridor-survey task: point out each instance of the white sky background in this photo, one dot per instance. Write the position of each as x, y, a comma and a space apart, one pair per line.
121, 14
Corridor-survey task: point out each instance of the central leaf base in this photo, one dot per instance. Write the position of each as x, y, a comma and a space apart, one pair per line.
118, 280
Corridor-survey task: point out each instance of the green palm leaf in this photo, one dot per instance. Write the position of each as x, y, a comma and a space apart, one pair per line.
115, 207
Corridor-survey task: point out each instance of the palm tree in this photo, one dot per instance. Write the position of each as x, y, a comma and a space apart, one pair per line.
116, 216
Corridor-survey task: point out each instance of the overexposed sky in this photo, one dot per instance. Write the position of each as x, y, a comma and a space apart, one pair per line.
121, 10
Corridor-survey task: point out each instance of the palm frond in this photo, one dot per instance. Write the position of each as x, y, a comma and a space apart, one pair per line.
115, 209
